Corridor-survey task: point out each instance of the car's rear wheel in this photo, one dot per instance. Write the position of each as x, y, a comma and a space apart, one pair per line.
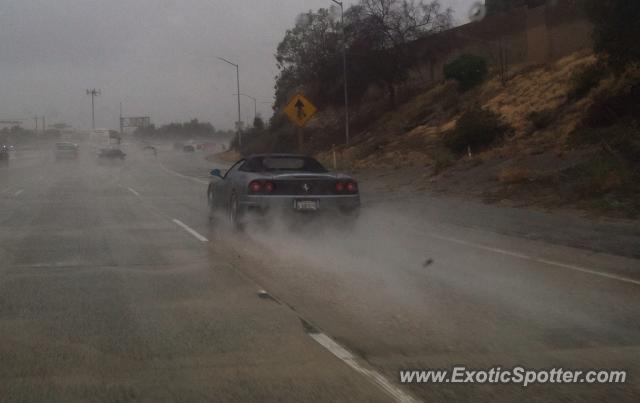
210, 203
210, 197
235, 213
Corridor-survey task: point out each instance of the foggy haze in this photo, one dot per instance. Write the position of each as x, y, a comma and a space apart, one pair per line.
157, 57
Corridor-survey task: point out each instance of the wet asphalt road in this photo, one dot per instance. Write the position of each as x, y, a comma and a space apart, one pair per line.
105, 297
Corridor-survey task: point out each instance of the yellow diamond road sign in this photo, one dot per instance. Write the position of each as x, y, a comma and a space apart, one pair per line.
300, 110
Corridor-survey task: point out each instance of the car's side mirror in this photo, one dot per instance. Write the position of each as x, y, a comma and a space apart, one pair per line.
216, 172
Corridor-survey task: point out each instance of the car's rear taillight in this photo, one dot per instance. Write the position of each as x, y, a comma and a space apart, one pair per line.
261, 187
346, 187
255, 187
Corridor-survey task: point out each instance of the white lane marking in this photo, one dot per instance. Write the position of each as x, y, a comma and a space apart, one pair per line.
6, 190
589, 271
374, 376
190, 230
336, 349
538, 260
183, 176
19, 192
134, 192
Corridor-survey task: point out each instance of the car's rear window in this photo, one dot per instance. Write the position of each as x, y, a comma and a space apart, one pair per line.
271, 164
65, 146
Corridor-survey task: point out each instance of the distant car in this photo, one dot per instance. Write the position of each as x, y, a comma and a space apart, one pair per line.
188, 148
66, 151
111, 154
292, 184
150, 150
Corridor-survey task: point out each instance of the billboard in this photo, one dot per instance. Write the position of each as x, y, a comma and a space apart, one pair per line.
138, 121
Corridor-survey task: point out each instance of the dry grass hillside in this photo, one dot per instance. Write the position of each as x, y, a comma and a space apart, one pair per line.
411, 134
535, 164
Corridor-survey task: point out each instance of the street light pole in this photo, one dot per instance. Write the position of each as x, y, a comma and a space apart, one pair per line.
238, 130
94, 93
344, 72
255, 105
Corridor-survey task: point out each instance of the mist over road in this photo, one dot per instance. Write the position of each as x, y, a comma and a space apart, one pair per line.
104, 298
115, 287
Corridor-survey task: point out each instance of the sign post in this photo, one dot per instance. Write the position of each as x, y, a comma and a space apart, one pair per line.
300, 110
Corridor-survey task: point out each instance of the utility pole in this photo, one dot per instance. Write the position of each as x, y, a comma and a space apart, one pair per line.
35, 118
44, 124
94, 93
120, 120
238, 128
344, 72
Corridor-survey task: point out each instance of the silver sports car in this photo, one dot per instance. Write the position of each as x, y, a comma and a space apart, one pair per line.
263, 184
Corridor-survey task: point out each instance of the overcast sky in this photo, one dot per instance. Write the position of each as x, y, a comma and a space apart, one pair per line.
157, 57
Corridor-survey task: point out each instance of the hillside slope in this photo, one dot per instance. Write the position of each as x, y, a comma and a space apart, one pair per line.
536, 164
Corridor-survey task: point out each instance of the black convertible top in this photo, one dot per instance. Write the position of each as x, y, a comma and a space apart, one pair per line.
277, 155
282, 162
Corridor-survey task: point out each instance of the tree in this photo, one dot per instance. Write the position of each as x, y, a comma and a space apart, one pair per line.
392, 23
378, 34
381, 30
258, 123
616, 31
500, 6
468, 70
309, 53
186, 129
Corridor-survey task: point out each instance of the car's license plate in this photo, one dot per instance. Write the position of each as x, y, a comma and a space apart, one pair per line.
306, 205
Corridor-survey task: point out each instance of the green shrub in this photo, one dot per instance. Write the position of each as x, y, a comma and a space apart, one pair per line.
585, 79
468, 70
477, 128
